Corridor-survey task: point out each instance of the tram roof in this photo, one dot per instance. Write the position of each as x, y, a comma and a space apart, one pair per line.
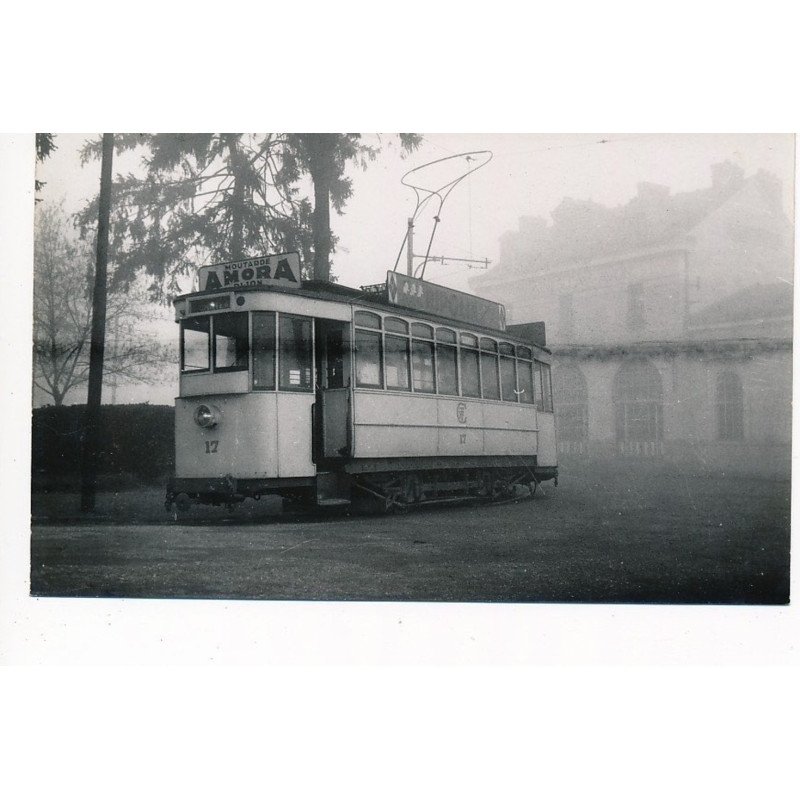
323, 290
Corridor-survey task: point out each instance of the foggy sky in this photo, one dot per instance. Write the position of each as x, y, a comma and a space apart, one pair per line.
529, 175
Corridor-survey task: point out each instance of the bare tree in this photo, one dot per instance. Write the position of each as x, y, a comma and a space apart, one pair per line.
62, 305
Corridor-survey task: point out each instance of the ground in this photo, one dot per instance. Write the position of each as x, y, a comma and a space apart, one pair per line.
607, 533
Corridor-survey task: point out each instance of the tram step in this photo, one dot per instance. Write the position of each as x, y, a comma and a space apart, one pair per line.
333, 489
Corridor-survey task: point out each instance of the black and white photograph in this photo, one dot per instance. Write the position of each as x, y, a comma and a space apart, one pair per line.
458, 368
451, 458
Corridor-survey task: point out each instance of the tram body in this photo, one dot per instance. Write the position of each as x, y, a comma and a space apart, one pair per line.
318, 391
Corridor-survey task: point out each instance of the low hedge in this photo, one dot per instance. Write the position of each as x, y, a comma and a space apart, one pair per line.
138, 440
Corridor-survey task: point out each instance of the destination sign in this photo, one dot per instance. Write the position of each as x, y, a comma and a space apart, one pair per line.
403, 290
279, 270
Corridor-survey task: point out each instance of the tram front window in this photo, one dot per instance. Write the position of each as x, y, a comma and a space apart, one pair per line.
230, 342
296, 348
195, 341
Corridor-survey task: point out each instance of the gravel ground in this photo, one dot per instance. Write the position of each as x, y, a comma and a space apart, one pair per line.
611, 535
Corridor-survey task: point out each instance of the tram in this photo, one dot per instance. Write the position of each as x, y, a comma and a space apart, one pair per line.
404, 393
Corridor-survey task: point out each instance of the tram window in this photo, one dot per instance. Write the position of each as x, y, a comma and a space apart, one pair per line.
447, 369
263, 350
445, 335
422, 366
397, 363
366, 319
525, 378
369, 373
506, 349
230, 342
524, 352
421, 331
295, 353
489, 344
468, 340
195, 344
547, 388
470, 375
489, 377
537, 385
508, 379
210, 304
396, 325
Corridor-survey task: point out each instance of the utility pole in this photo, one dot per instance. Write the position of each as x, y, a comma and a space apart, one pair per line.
92, 433
410, 248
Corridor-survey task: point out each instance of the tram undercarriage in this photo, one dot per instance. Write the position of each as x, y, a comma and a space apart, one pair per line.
358, 487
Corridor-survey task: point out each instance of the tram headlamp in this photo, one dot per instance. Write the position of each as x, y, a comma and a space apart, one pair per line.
206, 416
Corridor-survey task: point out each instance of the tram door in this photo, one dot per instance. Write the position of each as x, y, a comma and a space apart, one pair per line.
334, 400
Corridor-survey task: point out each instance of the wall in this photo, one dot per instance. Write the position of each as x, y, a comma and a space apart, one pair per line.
689, 385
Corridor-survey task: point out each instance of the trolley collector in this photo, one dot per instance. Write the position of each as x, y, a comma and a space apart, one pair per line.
406, 393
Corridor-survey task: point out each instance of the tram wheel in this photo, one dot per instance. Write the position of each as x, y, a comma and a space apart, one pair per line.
411, 491
486, 484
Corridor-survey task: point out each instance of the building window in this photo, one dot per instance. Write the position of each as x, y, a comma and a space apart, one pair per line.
730, 407
636, 317
638, 407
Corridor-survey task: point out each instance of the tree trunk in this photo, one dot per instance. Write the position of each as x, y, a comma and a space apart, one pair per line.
320, 150
93, 434
237, 238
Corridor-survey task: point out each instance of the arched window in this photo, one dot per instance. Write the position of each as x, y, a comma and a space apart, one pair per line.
572, 411
638, 409
730, 407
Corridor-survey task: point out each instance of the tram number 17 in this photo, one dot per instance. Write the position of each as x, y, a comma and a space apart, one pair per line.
211, 446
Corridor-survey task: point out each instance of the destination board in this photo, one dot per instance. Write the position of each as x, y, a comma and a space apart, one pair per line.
403, 290
278, 270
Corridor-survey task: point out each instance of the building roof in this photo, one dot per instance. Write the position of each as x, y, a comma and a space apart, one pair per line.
583, 230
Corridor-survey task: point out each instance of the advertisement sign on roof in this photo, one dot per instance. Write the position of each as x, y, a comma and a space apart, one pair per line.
403, 290
279, 270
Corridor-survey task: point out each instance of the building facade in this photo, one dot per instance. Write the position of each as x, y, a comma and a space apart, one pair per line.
670, 318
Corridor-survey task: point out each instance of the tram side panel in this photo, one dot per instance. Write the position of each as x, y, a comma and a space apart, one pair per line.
394, 425
397, 426
548, 455
460, 427
510, 429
